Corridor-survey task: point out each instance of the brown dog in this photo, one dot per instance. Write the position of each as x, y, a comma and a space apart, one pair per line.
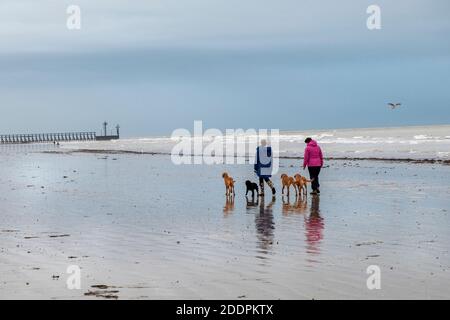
287, 182
301, 184
229, 184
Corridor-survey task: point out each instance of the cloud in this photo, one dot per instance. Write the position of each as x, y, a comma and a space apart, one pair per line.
167, 63
112, 24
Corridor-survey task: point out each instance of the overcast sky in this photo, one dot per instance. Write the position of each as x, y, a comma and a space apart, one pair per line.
154, 66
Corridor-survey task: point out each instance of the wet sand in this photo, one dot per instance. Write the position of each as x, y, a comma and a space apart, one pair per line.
140, 227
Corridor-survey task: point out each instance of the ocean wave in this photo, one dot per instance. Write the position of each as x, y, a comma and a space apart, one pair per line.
416, 142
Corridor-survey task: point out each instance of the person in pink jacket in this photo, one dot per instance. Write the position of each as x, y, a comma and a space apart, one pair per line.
313, 159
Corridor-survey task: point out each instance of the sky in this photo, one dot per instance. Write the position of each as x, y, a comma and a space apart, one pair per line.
158, 65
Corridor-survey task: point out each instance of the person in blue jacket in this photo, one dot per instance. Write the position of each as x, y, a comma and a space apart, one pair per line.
263, 166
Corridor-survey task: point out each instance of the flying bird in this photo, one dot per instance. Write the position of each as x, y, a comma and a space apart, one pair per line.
394, 105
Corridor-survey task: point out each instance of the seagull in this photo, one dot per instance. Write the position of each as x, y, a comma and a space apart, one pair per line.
394, 105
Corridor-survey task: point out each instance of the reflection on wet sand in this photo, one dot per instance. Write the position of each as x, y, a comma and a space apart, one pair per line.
299, 206
253, 203
25, 147
229, 205
265, 226
314, 226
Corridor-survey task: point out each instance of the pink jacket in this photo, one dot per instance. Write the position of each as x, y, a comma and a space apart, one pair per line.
313, 155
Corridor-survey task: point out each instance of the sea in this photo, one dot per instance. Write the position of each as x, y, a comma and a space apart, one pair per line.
415, 142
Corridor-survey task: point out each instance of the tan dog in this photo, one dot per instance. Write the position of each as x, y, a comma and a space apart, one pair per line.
301, 184
229, 184
287, 182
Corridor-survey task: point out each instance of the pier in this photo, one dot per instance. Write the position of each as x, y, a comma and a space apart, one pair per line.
57, 137
47, 137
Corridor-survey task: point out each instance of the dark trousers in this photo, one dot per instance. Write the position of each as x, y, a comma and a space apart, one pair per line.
261, 183
261, 180
314, 175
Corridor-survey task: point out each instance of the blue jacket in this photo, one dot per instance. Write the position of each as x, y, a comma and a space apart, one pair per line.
263, 162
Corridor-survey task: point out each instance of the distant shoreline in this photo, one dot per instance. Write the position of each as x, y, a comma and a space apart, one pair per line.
290, 131
296, 131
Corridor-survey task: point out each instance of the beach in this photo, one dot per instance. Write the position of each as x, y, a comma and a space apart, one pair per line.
140, 227
125, 126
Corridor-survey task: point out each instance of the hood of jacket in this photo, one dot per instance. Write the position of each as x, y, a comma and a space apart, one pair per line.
312, 143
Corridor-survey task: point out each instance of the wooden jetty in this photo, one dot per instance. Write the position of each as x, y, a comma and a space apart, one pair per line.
53, 137
47, 137
58, 137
